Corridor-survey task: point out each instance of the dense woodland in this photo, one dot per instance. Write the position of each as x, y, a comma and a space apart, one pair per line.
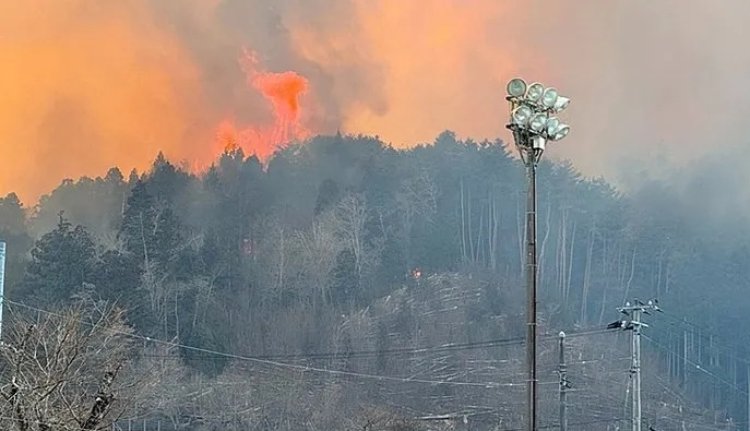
304, 281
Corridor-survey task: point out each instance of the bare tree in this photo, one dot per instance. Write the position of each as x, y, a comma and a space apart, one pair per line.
417, 199
318, 248
352, 214
273, 260
66, 370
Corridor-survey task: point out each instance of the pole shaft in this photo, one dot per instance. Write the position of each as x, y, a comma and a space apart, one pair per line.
563, 386
636, 370
531, 272
635, 312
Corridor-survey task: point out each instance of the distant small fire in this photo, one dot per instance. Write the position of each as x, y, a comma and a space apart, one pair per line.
283, 90
416, 273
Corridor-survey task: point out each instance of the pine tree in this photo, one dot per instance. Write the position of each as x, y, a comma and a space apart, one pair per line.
13, 231
62, 261
150, 230
12, 220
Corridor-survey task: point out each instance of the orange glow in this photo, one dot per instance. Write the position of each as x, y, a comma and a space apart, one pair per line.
437, 59
84, 93
283, 91
88, 85
227, 138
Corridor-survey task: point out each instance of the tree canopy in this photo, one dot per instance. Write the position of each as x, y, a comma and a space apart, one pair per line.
283, 258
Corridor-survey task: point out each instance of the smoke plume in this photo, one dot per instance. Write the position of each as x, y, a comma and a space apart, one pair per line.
89, 84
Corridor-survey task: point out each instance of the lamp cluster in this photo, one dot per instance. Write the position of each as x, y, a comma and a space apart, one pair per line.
532, 113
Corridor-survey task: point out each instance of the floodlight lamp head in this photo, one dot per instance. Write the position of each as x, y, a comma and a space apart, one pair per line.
521, 115
561, 132
534, 92
549, 98
538, 122
552, 124
516, 88
561, 103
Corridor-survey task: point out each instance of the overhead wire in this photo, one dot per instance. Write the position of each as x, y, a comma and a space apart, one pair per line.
344, 355
695, 364
271, 360
716, 339
297, 367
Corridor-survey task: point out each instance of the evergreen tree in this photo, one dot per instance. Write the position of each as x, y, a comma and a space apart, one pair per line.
118, 277
12, 220
149, 230
62, 261
14, 232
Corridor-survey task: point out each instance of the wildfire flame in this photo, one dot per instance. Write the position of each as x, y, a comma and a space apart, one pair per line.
283, 91
88, 85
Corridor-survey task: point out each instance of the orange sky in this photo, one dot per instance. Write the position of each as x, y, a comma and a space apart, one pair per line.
87, 84
84, 93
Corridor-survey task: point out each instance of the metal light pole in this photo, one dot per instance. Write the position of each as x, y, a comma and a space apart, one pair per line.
530, 157
532, 126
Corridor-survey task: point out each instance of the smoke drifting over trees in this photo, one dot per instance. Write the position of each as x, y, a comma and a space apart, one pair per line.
89, 85
260, 180
315, 276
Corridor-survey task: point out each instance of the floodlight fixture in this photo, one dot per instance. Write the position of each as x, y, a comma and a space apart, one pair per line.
521, 115
538, 122
516, 87
549, 98
552, 124
561, 103
534, 92
561, 132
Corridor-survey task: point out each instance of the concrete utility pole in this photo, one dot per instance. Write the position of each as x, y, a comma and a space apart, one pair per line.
562, 371
636, 369
635, 311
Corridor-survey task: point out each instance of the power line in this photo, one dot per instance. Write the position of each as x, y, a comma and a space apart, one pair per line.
695, 364
503, 342
584, 332
303, 368
715, 338
345, 355
446, 347
329, 355
397, 351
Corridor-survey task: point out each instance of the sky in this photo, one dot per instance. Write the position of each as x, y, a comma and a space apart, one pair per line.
656, 87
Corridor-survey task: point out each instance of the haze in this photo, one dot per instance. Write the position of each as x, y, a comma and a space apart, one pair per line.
89, 85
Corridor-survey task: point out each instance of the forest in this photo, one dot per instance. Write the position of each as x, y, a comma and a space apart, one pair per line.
347, 285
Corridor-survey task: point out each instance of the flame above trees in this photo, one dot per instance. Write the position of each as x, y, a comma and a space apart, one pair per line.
282, 90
